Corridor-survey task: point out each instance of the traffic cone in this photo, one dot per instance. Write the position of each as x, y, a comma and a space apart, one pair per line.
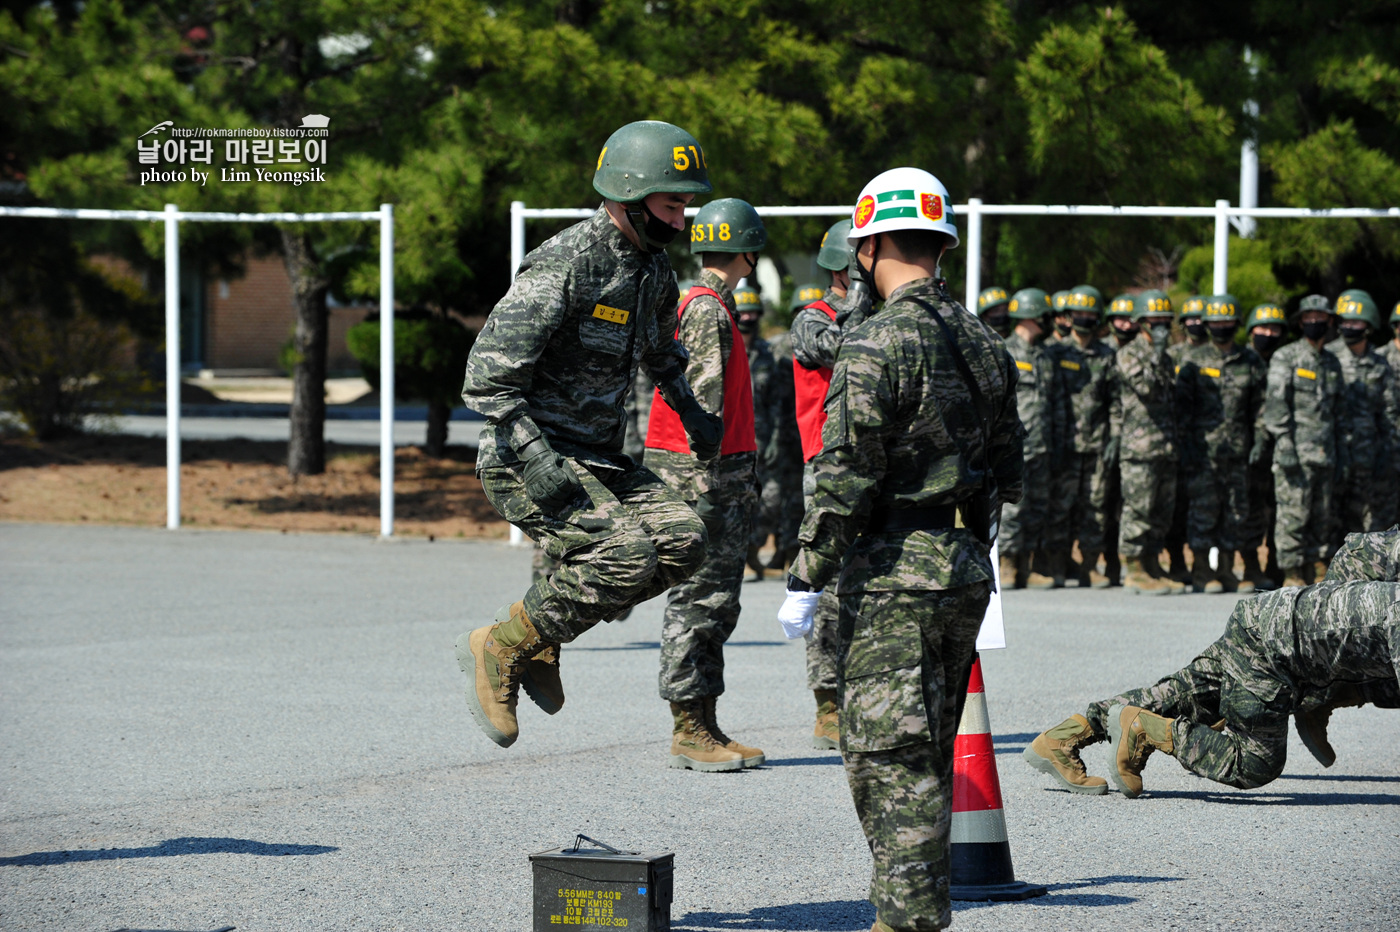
981, 854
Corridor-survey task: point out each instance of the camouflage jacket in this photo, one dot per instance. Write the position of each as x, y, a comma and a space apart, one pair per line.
638, 407
1303, 407
558, 353
1391, 352
1085, 376
1143, 412
816, 337
1219, 403
1178, 352
902, 431
706, 331
1040, 398
767, 401
787, 437
1369, 386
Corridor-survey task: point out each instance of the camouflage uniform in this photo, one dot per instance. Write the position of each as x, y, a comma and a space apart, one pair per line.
1279, 650
701, 611
1303, 412
782, 496
1143, 420
1220, 403
1391, 352
767, 407
900, 434
1366, 501
552, 361
1178, 532
1040, 402
1076, 510
638, 415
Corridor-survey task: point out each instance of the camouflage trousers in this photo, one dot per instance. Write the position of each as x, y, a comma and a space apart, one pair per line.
824, 643
1367, 503
1259, 525
904, 658
1023, 524
1149, 497
624, 539
1178, 529
1218, 493
788, 494
1076, 507
1302, 514
703, 610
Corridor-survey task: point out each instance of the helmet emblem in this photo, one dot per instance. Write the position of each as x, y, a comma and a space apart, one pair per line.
864, 211
931, 205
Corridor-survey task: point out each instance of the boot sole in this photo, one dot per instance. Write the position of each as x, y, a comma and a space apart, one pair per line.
1115, 734
527, 683
681, 762
1048, 767
466, 660
825, 744
749, 763
1323, 752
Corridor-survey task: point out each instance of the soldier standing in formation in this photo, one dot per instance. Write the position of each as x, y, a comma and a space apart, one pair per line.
1194, 327
1144, 444
549, 372
991, 308
1266, 326
1039, 400
918, 386
1366, 502
1303, 412
1220, 402
1079, 499
763, 372
816, 337
703, 609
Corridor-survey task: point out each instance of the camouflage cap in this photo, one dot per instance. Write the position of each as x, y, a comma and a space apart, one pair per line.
995, 296
1029, 304
1315, 302
1220, 308
1193, 306
1265, 314
1355, 304
805, 295
1152, 303
1123, 306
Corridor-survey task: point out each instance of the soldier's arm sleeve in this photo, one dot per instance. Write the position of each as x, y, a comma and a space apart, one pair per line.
1114, 386
665, 363
1259, 386
860, 408
1278, 408
1007, 436
705, 334
1342, 419
1385, 424
1184, 389
815, 339
501, 364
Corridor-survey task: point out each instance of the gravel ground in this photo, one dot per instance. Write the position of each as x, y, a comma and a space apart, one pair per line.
210, 729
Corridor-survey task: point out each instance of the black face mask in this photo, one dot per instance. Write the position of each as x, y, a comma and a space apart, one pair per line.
655, 234
747, 323
1062, 329
1124, 337
1085, 323
1314, 330
1001, 323
1223, 335
1265, 343
1354, 335
1195, 329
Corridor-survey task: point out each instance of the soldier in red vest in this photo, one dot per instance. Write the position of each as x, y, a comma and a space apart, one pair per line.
701, 611
816, 338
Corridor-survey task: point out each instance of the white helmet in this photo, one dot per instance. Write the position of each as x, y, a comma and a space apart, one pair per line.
903, 199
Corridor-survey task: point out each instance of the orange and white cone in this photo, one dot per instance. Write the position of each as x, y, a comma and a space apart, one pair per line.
981, 853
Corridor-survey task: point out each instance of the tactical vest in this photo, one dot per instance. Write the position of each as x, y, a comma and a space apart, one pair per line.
665, 431
811, 386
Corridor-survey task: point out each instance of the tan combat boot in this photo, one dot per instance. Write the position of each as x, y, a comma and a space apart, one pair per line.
1136, 580
1009, 579
1225, 573
541, 677
1254, 573
881, 927
1089, 575
1056, 752
1319, 571
692, 745
1026, 578
1311, 721
752, 757
1293, 576
826, 736
494, 658
1203, 578
1153, 567
1133, 734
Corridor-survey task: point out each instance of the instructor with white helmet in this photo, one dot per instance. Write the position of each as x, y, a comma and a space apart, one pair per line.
921, 429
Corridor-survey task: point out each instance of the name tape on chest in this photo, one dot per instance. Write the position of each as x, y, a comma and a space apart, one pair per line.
613, 315
1024, 366
1069, 364
1213, 373
1305, 374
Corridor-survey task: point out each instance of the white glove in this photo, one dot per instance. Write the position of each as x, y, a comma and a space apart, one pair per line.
796, 614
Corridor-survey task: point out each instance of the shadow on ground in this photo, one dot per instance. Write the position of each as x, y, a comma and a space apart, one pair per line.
835, 916
1067, 894
174, 847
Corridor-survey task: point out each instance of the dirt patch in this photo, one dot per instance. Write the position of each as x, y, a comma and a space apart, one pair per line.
240, 484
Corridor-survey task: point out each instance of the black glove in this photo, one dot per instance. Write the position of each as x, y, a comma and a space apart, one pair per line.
549, 479
1110, 453
710, 515
704, 429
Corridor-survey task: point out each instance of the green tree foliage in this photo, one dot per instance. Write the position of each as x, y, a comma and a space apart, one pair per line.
1252, 278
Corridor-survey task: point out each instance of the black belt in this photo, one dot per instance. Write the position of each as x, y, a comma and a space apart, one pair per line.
935, 518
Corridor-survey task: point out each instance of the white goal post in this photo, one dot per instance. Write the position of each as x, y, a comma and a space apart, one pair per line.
172, 216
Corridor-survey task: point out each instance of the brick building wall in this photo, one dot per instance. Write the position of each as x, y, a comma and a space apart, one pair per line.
248, 319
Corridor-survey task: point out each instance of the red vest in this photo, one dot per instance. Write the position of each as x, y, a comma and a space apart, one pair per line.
811, 386
665, 432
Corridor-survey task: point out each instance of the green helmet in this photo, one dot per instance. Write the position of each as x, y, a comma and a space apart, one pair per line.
1152, 303
1355, 304
1086, 298
1125, 305
835, 254
805, 295
1219, 308
747, 298
649, 156
1060, 302
1030, 304
685, 287
1315, 302
995, 296
1193, 306
727, 225
1266, 314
